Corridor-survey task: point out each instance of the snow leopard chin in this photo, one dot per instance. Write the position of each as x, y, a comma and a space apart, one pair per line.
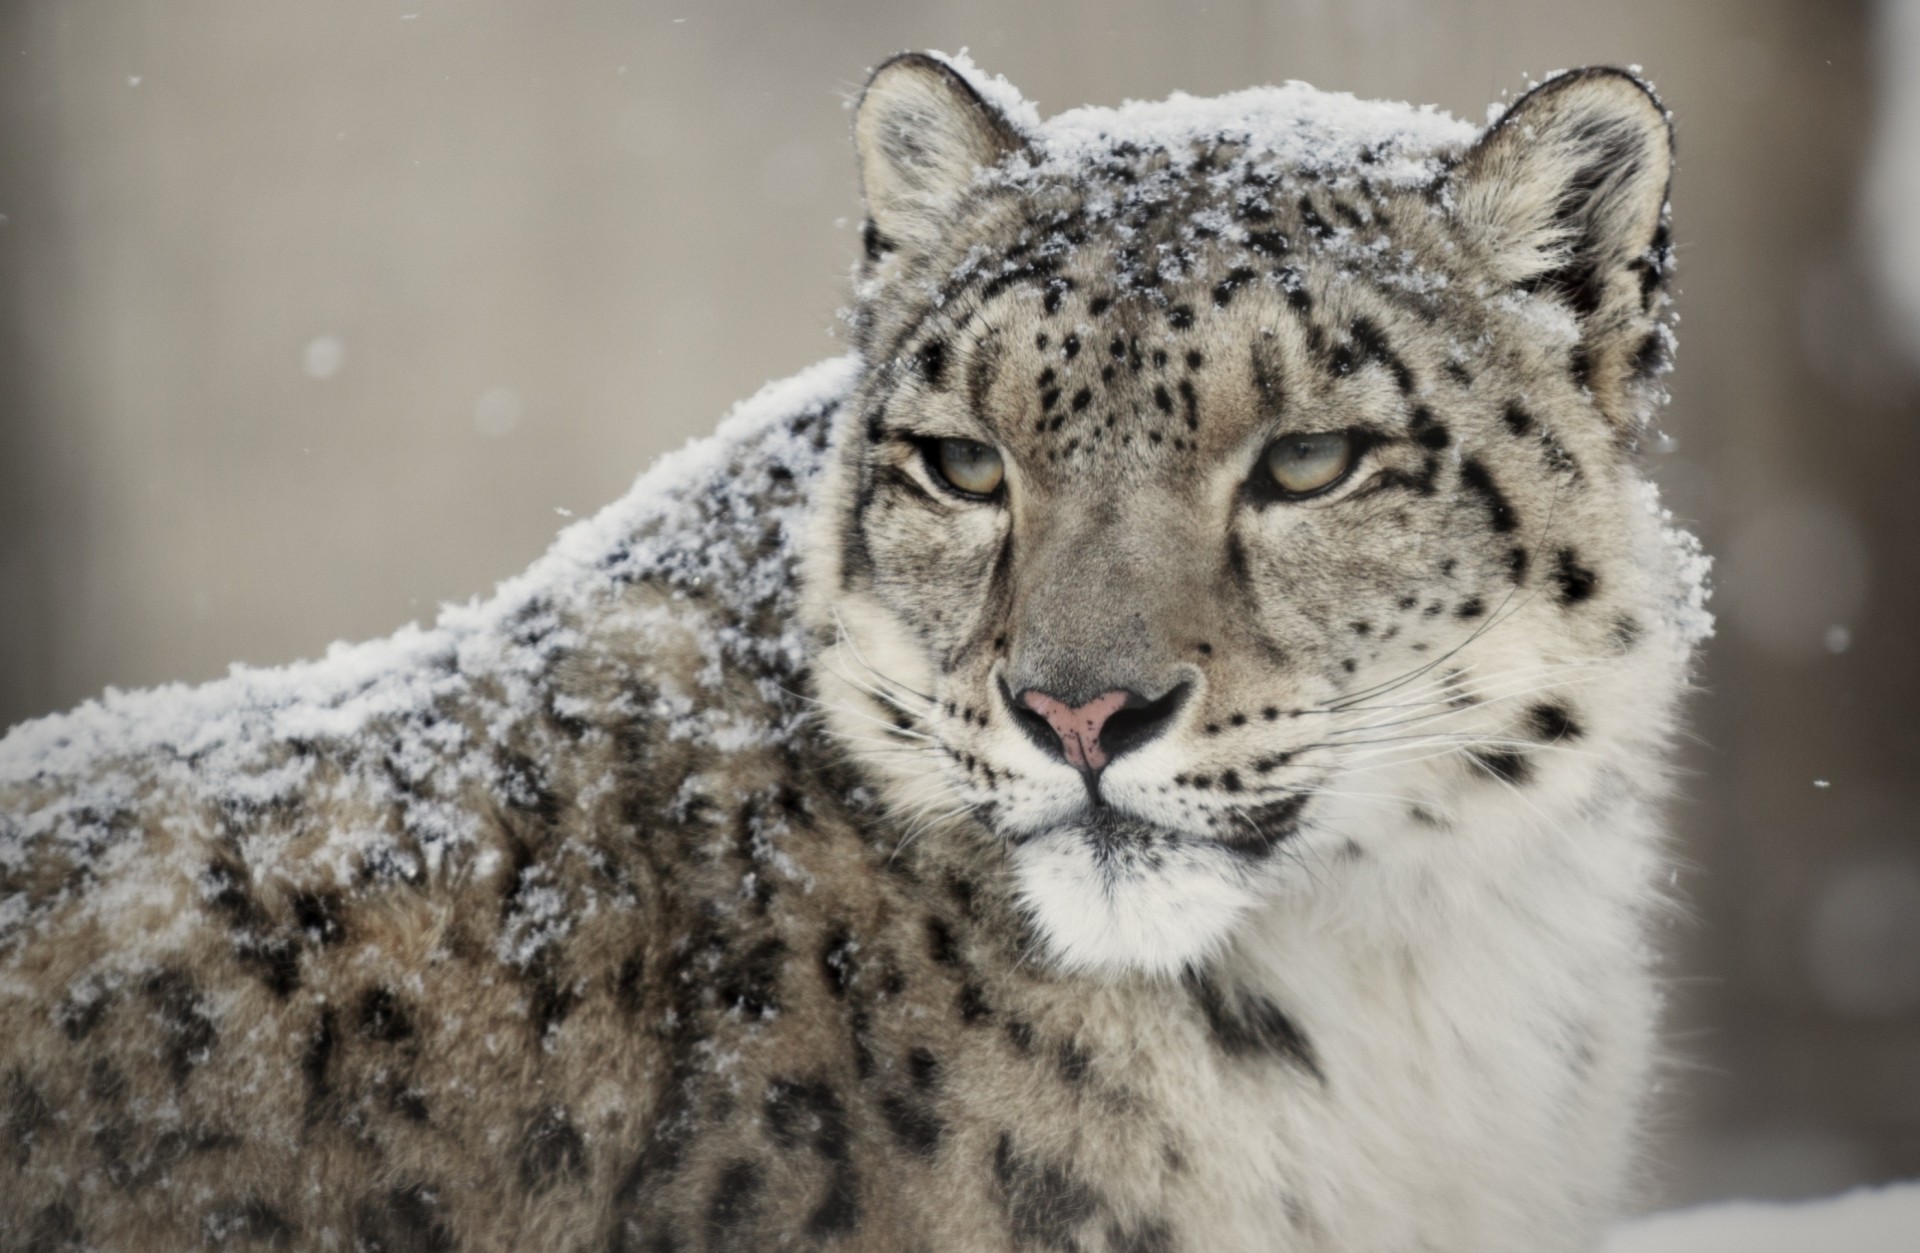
1114, 897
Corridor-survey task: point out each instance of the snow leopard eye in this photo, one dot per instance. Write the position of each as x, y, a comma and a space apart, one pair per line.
1303, 465
968, 466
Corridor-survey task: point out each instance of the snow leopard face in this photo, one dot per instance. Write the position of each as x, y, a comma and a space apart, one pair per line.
1208, 511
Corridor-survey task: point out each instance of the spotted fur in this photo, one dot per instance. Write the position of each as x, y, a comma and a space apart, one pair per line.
706, 890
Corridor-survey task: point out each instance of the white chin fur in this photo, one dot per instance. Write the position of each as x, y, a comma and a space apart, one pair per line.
1116, 914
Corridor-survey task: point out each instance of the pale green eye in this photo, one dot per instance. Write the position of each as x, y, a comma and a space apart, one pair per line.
1304, 464
969, 465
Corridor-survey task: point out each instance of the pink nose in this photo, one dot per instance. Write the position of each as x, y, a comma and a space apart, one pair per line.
1078, 727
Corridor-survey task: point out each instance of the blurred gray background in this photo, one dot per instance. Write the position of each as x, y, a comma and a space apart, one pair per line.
314, 314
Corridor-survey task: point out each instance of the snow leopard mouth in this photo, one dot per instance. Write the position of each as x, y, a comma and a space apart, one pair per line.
1124, 841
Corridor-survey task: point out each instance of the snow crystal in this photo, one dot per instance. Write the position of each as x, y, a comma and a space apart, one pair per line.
1689, 566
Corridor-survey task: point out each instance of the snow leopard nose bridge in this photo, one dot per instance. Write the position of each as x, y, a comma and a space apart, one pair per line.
1095, 664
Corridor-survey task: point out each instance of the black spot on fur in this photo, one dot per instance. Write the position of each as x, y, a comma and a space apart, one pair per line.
914, 1124
1471, 607
253, 1222
1043, 1201
873, 242
1020, 1035
1311, 219
735, 1198
1553, 723
836, 961
1518, 420
27, 1115
1574, 581
1070, 347
750, 983
932, 360
79, 1013
972, 1004
941, 945
1652, 358
1260, 828
1580, 365
1271, 243
1517, 564
402, 1221
839, 1210
317, 914
1235, 279
384, 1018
1475, 478
1191, 403
553, 1151
318, 1055
184, 1024
1430, 433
808, 1113
1082, 398
1371, 343
1180, 317
1076, 1064
1509, 767
1251, 1026
53, 1228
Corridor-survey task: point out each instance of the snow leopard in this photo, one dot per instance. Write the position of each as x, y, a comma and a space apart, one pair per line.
1159, 749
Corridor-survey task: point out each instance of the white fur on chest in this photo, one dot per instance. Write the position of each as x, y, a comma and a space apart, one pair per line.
1481, 1014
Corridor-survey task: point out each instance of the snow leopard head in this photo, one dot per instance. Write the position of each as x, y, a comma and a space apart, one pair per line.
1239, 484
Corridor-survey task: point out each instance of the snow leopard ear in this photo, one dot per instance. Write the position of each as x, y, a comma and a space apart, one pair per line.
922, 132
1568, 192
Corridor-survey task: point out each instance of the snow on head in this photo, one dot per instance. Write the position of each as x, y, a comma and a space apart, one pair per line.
1293, 125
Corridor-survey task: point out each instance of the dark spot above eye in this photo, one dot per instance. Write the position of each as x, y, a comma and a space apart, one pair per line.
932, 361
